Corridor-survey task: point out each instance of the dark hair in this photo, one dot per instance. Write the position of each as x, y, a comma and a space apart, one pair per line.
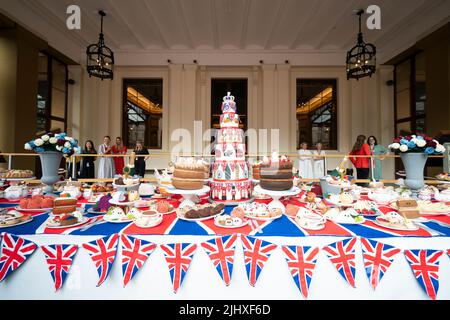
107, 137
85, 146
359, 142
119, 138
376, 142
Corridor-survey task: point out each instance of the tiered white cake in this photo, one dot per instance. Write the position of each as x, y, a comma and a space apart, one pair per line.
230, 171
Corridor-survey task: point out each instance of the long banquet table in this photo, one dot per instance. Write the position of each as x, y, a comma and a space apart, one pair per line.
202, 281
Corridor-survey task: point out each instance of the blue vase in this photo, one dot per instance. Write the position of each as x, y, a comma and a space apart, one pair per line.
50, 161
414, 164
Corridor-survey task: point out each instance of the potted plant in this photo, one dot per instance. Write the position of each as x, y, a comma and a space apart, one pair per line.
51, 147
414, 151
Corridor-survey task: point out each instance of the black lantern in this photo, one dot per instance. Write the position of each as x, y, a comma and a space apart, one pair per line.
100, 58
361, 59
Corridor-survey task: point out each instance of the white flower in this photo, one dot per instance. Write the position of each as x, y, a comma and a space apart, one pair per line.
421, 143
53, 140
413, 136
59, 148
403, 148
395, 146
45, 137
414, 140
38, 142
67, 145
27, 146
440, 148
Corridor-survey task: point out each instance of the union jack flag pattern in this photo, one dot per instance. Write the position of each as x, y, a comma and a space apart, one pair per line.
15, 251
59, 259
301, 262
178, 257
103, 253
221, 252
342, 255
256, 253
134, 254
378, 257
425, 266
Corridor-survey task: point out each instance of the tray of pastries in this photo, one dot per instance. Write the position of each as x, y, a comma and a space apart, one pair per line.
200, 212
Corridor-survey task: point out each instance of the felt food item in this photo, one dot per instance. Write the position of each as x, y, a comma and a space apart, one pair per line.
292, 210
133, 195
163, 207
23, 203
47, 203
346, 197
238, 212
63, 209
310, 197
65, 202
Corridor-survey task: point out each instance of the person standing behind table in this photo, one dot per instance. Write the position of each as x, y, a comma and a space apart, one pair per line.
119, 148
305, 163
375, 163
88, 166
106, 164
139, 162
362, 164
319, 162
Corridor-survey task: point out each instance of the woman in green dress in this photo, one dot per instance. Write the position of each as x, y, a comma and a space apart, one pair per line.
376, 149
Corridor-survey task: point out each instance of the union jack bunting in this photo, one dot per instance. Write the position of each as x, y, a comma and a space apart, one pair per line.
221, 252
178, 257
134, 254
103, 253
15, 251
59, 259
425, 266
342, 255
378, 257
301, 262
256, 253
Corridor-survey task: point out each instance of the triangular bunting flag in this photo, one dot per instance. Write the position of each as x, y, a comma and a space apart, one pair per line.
425, 266
301, 262
59, 259
342, 255
256, 253
178, 257
134, 254
103, 253
378, 258
15, 251
221, 252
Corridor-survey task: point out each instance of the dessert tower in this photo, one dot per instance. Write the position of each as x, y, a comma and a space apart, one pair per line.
230, 170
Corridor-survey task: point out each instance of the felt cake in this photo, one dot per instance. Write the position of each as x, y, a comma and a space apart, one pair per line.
276, 173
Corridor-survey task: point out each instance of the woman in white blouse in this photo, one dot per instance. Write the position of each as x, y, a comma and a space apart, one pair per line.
305, 163
320, 164
106, 164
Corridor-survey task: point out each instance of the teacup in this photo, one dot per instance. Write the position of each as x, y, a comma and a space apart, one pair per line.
148, 218
312, 220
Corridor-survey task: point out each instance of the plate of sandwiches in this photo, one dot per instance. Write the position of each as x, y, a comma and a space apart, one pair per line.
13, 218
118, 215
393, 220
229, 222
348, 216
66, 220
200, 212
424, 207
367, 208
260, 211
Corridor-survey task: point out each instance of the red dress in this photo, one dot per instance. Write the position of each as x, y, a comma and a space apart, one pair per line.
119, 163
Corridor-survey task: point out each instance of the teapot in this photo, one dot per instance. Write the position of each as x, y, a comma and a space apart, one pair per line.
382, 196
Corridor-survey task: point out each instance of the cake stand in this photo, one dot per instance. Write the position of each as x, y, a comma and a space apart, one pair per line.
276, 195
188, 195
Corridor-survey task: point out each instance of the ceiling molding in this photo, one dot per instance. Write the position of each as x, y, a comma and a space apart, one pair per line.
280, 9
247, 6
155, 23
120, 17
316, 5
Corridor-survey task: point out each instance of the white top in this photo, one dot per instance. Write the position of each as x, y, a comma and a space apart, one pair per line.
305, 164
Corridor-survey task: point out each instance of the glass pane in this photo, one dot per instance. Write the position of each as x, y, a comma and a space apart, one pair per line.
57, 126
403, 104
420, 125
317, 112
42, 94
420, 94
58, 103
144, 111
58, 75
403, 128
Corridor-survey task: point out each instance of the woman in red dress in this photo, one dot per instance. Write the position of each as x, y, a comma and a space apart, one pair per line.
362, 164
119, 148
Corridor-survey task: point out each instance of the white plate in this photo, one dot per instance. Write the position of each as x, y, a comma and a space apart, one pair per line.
107, 219
394, 227
156, 223
158, 196
434, 213
83, 220
346, 222
17, 224
32, 210
262, 218
129, 203
318, 227
19, 179
91, 211
200, 219
378, 213
340, 204
244, 223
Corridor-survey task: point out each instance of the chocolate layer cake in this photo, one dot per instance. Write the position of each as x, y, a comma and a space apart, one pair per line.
276, 174
276, 184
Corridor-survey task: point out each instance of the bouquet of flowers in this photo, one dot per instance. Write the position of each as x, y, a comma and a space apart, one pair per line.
58, 142
416, 143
